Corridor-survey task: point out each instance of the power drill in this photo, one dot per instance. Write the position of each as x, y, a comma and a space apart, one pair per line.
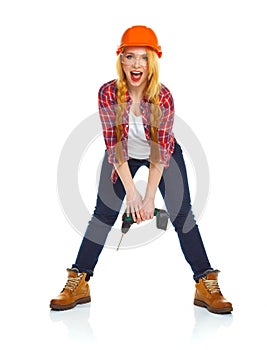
127, 221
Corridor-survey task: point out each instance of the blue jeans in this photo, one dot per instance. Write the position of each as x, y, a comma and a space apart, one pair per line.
175, 191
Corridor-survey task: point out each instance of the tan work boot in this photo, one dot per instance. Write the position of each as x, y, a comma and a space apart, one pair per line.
208, 295
76, 291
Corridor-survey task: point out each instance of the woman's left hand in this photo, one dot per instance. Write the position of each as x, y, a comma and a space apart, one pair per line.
148, 208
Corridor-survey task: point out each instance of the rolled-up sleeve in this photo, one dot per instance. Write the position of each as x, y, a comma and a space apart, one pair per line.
165, 133
107, 107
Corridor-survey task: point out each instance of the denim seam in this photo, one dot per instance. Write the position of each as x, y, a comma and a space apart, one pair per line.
205, 273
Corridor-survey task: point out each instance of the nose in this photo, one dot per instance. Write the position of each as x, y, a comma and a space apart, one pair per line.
136, 63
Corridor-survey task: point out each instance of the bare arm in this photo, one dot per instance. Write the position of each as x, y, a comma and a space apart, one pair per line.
154, 176
133, 197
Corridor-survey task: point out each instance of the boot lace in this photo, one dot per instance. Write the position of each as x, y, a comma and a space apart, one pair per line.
73, 282
212, 286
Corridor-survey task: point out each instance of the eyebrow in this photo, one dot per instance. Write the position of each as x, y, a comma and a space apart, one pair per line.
132, 53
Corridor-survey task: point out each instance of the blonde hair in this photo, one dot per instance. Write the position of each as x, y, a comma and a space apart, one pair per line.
152, 94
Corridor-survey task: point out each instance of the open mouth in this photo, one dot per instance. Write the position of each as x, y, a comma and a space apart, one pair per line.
136, 75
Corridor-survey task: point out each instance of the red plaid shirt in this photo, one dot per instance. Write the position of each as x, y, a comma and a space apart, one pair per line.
107, 103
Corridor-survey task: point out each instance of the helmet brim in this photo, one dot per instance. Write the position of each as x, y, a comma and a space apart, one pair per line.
156, 49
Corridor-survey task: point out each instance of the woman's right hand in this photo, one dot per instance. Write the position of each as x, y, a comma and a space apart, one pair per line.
134, 200
134, 203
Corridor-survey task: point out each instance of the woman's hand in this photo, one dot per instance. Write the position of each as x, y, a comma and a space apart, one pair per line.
134, 204
133, 198
148, 208
154, 176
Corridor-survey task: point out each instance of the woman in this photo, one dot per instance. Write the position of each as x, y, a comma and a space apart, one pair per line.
137, 114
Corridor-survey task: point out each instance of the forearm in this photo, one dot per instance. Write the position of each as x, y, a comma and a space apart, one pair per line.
154, 176
125, 176
133, 197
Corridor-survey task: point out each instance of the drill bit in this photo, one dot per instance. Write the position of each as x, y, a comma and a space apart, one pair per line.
127, 221
120, 241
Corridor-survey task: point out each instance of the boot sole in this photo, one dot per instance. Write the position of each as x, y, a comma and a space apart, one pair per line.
225, 310
57, 307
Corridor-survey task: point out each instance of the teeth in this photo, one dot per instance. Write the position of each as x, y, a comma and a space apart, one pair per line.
136, 73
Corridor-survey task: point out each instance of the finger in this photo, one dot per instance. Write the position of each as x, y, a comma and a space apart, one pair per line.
142, 214
138, 216
128, 211
133, 214
147, 216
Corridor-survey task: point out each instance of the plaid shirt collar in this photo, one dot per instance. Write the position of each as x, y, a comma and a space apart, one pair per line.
129, 99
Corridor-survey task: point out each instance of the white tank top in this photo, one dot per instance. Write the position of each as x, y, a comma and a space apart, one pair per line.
138, 146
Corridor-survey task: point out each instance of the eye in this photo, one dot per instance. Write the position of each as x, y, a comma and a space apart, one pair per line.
144, 58
129, 57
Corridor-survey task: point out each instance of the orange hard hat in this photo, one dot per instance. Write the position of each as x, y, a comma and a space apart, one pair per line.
140, 36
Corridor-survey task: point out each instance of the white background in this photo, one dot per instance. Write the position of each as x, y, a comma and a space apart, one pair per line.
54, 57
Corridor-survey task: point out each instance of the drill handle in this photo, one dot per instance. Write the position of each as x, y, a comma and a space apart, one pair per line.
126, 226
129, 218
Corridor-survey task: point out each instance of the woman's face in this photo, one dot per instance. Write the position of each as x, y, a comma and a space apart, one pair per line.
135, 66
